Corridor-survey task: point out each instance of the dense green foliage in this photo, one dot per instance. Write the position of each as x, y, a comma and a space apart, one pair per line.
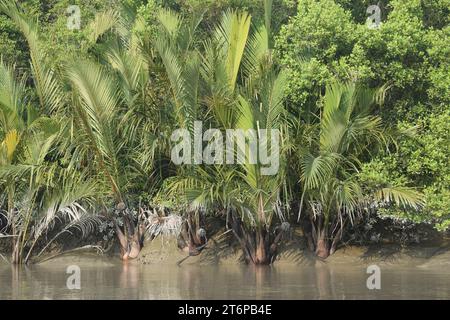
410, 54
86, 118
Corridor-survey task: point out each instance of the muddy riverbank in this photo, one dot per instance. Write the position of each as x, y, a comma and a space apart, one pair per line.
295, 253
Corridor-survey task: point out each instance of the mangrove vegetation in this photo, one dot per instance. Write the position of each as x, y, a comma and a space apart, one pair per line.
355, 118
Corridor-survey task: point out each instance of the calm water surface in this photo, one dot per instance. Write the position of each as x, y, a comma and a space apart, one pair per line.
105, 278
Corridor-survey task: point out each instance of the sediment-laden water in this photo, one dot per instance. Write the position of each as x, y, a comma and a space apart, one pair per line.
109, 278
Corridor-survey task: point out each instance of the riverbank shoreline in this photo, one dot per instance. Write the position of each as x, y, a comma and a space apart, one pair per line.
295, 253
164, 251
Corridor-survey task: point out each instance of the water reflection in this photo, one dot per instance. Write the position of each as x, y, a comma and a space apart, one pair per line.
323, 282
111, 279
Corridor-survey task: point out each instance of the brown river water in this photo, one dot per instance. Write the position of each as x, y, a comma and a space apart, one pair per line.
108, 278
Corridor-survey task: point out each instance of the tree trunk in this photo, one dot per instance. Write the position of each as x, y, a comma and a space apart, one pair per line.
322, 246
336, 240
262, 256
257, 244
129, 247
130, 239
315, 230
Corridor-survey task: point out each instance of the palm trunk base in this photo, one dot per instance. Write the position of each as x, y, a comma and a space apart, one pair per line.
322, 250
319, 240
131, 238
258, 245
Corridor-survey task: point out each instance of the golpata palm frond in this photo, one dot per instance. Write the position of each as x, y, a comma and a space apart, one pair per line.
347, 121
231, 35
257, 51
177, 31
181, 64
315, 170
97, 107
64, 203
205, 187
85, 223
102, 23
65, 200
32, 148
12, 100
126, 57
48, 89
403, 197
132, 69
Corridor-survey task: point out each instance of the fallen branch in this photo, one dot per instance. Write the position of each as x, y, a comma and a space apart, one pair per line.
199, 249
98, 248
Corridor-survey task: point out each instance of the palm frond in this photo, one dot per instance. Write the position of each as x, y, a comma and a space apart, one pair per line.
401, 196
12, 99
316, 170
48, 88
170, 20
232, 35
97, 108
102, 23
257, 51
